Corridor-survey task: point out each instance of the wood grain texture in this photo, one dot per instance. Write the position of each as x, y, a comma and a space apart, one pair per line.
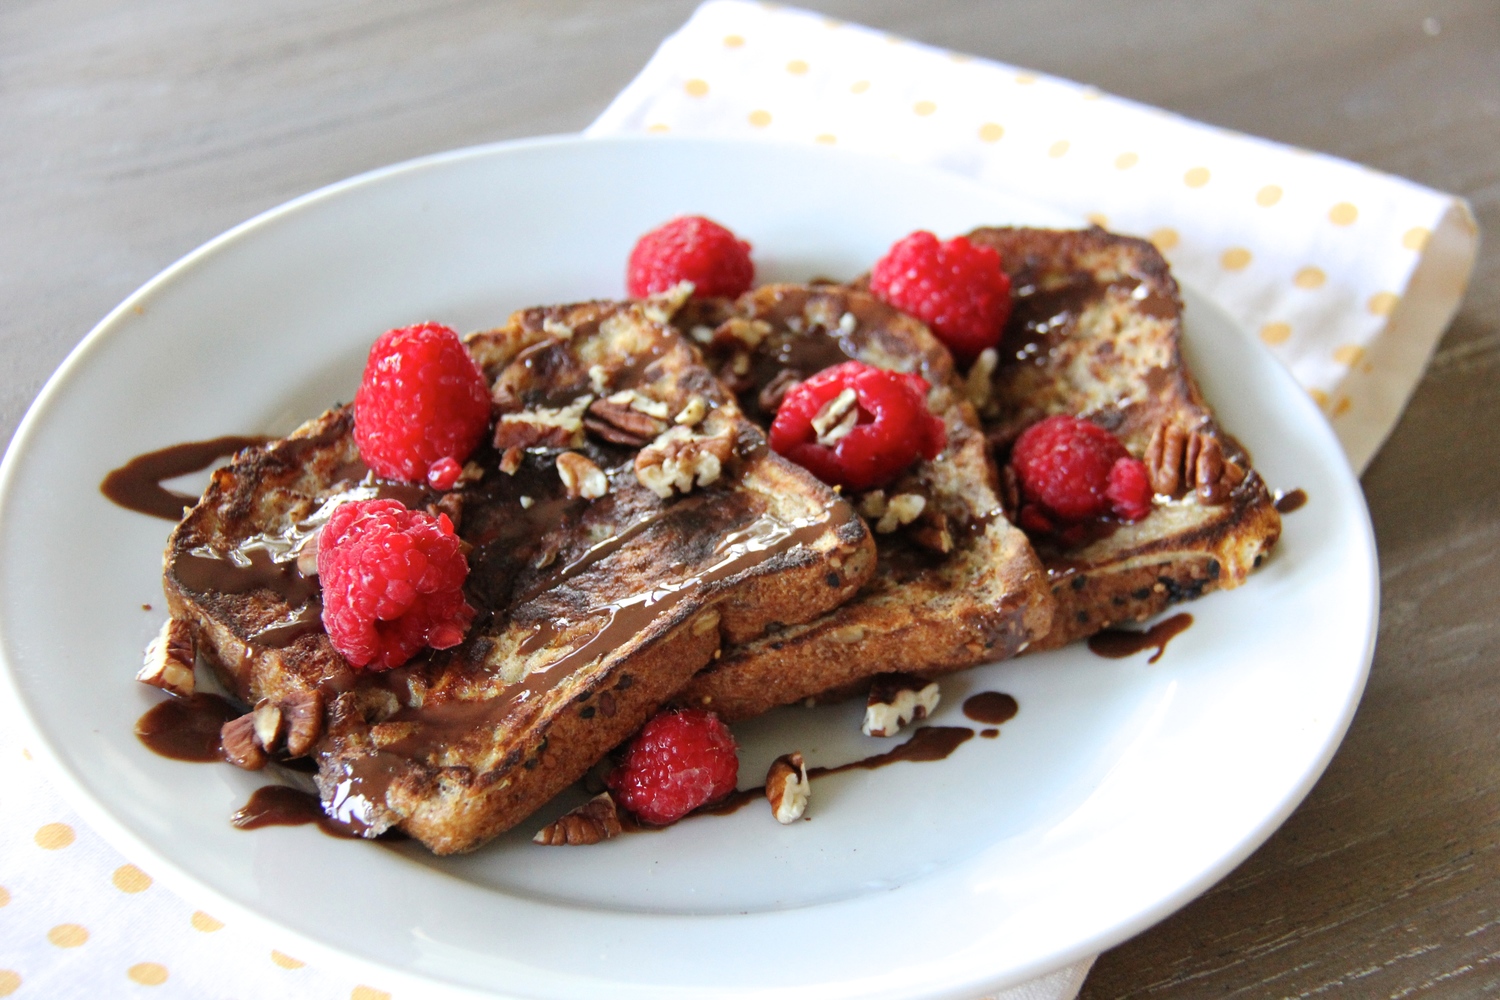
133, 132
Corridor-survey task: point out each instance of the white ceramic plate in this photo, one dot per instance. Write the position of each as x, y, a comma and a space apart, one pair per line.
1121, 790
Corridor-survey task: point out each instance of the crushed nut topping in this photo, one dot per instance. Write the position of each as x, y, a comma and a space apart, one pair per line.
510, 459
980, 381
739, 330
543, 427
903, 509
933, 533
787, 787
775, 390
848, 324
559, 330
837, 418
897, 700
597, 819
661, 307
692, 413
169, 659
681, 458
581, 477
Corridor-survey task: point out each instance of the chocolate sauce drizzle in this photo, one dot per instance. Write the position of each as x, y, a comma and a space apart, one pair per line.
927, 744
1118, 643
1288, 502
282, 805
137, 485
186, 728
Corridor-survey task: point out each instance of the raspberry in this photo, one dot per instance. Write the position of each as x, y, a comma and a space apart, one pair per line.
392, 583
956, 288
676, 763
1064, 465
690, 248
891, 425
1129, 489
422, 400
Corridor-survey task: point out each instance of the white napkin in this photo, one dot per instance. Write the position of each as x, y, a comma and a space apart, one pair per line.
1347, 274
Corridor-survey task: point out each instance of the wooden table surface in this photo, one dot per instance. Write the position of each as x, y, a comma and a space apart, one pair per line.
132, 132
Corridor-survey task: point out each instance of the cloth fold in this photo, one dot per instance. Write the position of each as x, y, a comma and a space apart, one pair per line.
1348, 275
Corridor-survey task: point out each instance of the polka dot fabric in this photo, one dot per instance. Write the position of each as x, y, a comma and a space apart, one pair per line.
79, 920
1349, 275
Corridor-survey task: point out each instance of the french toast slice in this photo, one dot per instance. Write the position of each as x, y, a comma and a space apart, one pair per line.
1096, 332
956, 584
593, 609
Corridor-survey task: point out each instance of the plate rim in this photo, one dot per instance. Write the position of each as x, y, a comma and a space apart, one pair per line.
332, 956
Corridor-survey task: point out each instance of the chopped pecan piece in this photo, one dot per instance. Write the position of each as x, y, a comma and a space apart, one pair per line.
896, 700
620, 423
902, 509
543, 427
933, 533
597, 819
775, 391
169, 659
239, 746
581, 477
787, 787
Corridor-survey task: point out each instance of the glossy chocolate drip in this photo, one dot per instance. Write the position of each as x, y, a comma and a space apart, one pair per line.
1117, 643
186, 728
137, 485
927, 744
205, 573
991, 707
281, 805
1288, 502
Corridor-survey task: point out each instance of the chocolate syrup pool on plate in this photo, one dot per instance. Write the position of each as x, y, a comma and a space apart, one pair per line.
137, 485
186, 728
1118, 643
1288, 502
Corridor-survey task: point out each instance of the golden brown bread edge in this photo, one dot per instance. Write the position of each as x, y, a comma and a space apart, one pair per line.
446, 748
925, 612
1096, 332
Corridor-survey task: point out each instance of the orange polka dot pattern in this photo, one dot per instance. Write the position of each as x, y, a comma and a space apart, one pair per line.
77, 919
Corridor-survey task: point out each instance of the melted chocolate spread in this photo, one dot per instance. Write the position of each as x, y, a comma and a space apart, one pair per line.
1288, 502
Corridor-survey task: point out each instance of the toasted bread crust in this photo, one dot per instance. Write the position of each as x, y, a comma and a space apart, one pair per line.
924, 611
1096, 332
592, 611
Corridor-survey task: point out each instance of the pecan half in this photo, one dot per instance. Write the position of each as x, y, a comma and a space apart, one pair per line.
623, 424
787, 787
597, 819
1179, 460
169, 659
238, 744
304, 721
